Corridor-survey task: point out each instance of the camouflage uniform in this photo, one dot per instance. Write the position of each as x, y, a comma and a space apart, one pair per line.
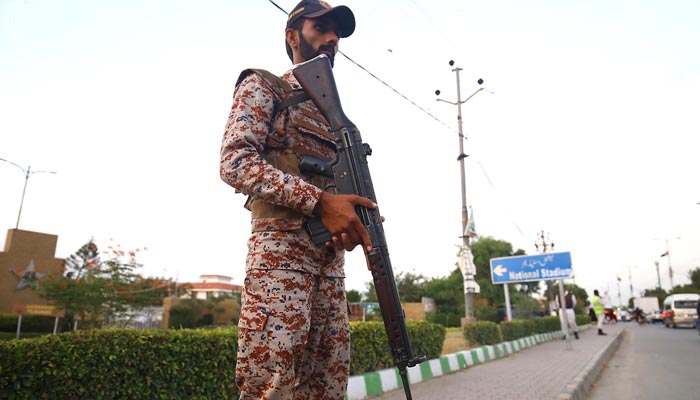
294, 339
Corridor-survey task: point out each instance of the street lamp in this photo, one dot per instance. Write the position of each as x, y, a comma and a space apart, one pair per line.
667, 254
542, 245
466, 260
27, 173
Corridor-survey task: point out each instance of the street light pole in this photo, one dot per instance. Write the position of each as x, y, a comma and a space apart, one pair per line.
466, 257
667, 254
27, 173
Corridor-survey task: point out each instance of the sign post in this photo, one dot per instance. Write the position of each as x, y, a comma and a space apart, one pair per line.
37, 309
540, 267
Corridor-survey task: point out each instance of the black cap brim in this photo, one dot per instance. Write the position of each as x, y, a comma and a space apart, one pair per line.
342, 16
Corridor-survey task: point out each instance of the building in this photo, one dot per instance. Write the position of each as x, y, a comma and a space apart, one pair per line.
28, 258
212, 286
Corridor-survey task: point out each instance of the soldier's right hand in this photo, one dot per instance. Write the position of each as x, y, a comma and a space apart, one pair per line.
337, 212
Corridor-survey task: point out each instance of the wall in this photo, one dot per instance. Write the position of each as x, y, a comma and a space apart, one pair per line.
28, 258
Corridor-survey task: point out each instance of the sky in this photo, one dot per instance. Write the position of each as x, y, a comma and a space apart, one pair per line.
588, 131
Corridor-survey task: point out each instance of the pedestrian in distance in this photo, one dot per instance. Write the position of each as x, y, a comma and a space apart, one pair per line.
294, 335
570, 303
599, 310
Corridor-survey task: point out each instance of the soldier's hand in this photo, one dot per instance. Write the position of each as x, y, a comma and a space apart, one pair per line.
337, 212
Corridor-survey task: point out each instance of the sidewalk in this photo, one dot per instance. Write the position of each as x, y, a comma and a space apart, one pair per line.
539, 367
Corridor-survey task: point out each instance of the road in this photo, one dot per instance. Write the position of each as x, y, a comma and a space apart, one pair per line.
652, 362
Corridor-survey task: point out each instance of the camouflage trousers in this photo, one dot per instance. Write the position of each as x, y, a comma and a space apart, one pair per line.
293, 337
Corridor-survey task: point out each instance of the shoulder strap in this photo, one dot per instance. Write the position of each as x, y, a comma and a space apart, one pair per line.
287, 94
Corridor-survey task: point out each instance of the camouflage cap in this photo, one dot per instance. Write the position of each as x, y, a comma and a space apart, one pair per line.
342, 15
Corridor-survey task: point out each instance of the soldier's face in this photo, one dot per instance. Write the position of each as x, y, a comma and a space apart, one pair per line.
318, 36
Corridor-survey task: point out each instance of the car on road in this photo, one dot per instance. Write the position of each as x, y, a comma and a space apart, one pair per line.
680, 309
624, 315
611, 315
655, 317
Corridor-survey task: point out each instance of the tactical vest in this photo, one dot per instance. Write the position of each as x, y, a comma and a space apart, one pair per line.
568, 301
297, 129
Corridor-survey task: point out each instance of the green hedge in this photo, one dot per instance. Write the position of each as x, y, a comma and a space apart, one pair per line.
482, 332
582, 319
164, 364
546, 324
121, 364
370, 347
516, 329
30, 323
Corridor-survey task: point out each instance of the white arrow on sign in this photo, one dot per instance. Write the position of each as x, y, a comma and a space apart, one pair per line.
499, 270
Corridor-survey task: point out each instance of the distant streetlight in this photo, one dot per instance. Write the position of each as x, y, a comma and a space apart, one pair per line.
667, 254
27, 173
470, 285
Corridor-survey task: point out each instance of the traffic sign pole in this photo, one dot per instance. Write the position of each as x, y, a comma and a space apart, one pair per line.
563, 317
506, 292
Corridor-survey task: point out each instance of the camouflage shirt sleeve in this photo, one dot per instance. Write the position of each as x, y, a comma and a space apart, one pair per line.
242, 165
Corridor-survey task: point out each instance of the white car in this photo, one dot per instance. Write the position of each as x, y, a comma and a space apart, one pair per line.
624, 315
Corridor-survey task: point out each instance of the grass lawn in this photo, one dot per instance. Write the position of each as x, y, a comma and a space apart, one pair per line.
454, 342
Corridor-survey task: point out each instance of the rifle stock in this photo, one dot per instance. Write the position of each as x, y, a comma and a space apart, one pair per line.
352, 176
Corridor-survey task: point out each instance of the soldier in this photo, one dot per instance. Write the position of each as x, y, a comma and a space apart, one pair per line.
294, 337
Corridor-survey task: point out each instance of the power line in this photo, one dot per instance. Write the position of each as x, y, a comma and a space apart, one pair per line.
488, 179
380, 80
435, 26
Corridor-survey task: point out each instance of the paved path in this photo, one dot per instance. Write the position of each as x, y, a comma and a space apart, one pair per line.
539, 372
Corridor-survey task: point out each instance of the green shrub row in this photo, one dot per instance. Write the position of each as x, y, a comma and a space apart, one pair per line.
30, 323
482, 332
164, 364
120, 364
582, 319
487, 333
370, 346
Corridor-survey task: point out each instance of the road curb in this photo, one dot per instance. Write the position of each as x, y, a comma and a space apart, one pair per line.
379, 382
578, 388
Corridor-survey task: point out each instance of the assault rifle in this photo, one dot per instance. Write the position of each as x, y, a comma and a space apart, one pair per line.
351, 174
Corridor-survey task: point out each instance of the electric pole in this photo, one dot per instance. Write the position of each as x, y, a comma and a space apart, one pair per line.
27, 172
466, 261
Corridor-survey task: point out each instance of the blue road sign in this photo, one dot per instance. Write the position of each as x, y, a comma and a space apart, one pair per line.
531, 268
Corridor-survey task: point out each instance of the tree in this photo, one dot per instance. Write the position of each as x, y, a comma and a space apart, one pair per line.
76, 288
694, 276
96, 292
448, 293
410, 287
579, 292
492, 297
353, 296
656, 292
371, 293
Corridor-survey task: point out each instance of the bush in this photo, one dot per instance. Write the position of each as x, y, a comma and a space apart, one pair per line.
546, 324
370, 347
30, 323
582, 319
482, 332
121, 364
206, 320
516, 329
444, 319
181, 316
165, 364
